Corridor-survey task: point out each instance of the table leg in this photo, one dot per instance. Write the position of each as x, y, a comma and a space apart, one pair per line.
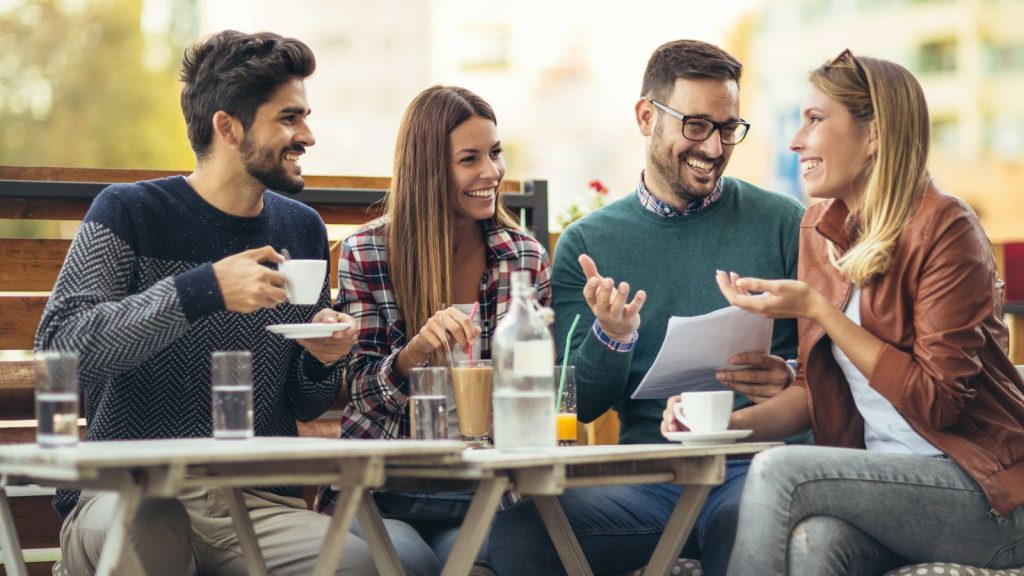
678, 529
337, 531
562, 536
254, 562
376, 535
118, 555
474, 526
14, 562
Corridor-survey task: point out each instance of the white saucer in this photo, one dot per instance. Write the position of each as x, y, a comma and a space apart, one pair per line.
313, 330
707, 438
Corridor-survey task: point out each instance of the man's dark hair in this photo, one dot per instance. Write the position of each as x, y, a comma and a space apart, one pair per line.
686, 59
236, 72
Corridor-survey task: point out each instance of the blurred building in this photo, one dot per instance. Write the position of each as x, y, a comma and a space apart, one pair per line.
968, 55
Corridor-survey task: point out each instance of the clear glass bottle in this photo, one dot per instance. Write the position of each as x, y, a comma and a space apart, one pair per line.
523, 355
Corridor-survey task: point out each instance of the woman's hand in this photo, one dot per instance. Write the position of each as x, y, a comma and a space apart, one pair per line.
765, 377
445, 329
776, 298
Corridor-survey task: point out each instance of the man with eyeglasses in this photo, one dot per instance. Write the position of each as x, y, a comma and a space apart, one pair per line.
665, 241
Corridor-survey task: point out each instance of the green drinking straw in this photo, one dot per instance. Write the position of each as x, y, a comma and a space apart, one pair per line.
565, 362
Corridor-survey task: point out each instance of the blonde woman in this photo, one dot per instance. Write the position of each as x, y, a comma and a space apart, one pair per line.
914, 403
445, 244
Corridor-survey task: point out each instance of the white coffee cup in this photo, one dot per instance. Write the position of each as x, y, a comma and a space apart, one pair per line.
704, 411
303, 280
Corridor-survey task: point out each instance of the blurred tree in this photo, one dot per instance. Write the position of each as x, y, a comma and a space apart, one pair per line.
79, 87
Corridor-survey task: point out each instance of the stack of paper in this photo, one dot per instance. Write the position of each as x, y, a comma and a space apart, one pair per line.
697, 347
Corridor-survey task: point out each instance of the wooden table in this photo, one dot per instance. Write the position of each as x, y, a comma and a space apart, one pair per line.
545, 475
164, 468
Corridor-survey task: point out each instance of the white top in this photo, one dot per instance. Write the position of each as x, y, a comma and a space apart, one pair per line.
885, 430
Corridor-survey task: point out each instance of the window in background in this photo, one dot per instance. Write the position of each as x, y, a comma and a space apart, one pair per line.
937, 56
1004, 136
1002, 57
946, 135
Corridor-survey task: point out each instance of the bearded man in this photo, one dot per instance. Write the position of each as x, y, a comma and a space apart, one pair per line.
684, 221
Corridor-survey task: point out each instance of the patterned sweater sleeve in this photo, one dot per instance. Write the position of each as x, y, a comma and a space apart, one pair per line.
375, 389
93, 310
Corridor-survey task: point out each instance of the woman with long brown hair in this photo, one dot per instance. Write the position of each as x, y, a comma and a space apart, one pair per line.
915, 406
445, 246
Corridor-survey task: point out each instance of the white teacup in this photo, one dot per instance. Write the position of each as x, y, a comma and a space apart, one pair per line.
704, 411
303, 280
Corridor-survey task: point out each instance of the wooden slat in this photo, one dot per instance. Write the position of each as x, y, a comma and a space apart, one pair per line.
31, 265
18, 435
44, 208
19, 318
16, 390
339, 214
37, 523
333, 263
111, 175
76, 174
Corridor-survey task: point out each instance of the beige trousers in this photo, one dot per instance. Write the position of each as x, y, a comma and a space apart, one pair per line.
193, 535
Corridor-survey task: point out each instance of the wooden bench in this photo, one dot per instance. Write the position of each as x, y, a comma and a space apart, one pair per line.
29, 268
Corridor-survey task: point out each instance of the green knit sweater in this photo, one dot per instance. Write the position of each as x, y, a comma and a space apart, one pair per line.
750, 231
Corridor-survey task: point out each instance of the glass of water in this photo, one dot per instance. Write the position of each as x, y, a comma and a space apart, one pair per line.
428, 403
232, 395
56, 399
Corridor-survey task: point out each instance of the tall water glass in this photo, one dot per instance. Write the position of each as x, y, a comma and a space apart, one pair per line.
428, 403
56, 399
232, 395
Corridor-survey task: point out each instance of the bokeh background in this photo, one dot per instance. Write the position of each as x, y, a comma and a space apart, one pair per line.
94, 82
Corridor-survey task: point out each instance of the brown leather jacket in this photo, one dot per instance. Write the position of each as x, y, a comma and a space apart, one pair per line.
944, 365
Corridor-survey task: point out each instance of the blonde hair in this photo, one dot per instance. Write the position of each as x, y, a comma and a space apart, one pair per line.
418, 234
887, 97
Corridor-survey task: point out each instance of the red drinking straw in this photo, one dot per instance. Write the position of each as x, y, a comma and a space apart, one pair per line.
476, 306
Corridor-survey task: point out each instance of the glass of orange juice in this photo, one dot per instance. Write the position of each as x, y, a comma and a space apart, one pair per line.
566, 419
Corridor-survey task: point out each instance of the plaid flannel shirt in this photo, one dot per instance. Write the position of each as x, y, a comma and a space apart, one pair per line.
378, 395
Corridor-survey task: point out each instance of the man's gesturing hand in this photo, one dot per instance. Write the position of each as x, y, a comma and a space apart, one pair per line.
618, 319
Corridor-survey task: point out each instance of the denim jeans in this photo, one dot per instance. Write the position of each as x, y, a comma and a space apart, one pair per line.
435, 516
617, 527
812, 511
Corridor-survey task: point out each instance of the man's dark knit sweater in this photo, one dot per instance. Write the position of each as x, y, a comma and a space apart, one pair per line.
138, 299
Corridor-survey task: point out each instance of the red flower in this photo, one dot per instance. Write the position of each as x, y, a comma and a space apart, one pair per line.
598, 187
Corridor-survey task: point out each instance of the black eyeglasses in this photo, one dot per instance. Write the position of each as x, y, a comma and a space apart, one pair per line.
699, 129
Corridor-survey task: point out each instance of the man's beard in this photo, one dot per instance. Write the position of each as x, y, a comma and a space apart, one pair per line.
267, 167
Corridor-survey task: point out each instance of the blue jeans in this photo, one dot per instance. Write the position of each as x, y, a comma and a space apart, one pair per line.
435, 516
422, 526
817, 511
618, 527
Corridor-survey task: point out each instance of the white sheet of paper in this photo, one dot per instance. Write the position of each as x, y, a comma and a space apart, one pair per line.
698, 346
